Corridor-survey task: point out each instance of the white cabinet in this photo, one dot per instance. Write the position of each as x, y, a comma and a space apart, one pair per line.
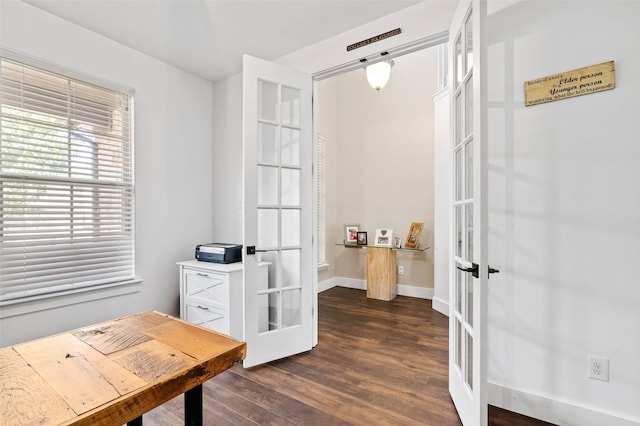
211, 295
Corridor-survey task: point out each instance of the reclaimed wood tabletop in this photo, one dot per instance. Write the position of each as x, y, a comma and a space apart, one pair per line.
110, 373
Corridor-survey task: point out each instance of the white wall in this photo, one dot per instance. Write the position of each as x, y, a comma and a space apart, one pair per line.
172, 158
564, 202
227, 160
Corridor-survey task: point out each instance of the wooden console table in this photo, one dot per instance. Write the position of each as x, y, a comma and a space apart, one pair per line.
112, 373
382, 278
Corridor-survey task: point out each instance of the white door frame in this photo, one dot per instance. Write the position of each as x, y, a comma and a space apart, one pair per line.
399, 50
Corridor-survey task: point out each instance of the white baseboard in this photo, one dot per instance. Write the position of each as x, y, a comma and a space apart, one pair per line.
326, 284
553, 410
414, 291
440, 306
351, 283
403, 289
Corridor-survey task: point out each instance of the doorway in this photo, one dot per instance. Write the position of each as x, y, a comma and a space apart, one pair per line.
380, 161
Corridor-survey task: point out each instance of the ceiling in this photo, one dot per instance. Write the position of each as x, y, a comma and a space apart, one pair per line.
209, 37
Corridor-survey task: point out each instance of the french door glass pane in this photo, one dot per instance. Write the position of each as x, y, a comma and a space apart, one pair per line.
469, 227
267, 101
267, 312
459, 283
459, 122
469, 43
291, 301
290, 147
290, 268
273, 310
458, 174
272, 257
458, 337
468, 107
458, 61
469, 363
290, 227
459, 229
468, 314
267, 143
268, 229
290, 187
468, 159
290, 106
262, 285
267, 185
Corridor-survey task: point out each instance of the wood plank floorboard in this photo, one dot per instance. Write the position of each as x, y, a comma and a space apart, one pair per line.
376, 363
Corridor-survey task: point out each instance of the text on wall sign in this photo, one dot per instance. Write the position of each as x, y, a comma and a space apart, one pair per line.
582, 81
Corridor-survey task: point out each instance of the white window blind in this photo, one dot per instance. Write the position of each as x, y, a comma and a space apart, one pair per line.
321, 201
66, 184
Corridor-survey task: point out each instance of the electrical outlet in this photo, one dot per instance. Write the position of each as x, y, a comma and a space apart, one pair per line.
598, 368
400, 270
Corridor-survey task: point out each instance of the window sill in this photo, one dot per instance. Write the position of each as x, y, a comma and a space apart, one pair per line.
50, 301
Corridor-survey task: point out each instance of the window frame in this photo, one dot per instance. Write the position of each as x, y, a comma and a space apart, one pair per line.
106, 287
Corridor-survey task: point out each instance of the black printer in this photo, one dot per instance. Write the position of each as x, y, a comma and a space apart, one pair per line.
219, 252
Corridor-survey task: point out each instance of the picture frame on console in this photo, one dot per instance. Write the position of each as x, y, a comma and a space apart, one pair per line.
384, 237
351, 234
413, 237
362, 238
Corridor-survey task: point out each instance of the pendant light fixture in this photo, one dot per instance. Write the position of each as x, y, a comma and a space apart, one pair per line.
378, 74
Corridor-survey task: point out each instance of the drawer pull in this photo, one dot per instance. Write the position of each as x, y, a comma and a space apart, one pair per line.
203, 275
203, 307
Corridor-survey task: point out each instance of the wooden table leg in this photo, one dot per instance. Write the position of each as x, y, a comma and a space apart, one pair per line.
193, 407
135, 422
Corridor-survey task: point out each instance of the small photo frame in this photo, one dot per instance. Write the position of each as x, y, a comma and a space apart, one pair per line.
413, 237
384, 237
351, 234
362, 238
397, 242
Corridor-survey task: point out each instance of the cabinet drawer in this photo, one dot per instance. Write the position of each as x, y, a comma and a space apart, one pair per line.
207, 316
210, 287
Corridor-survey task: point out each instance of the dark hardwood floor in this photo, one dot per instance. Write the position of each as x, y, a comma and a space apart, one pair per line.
376, 363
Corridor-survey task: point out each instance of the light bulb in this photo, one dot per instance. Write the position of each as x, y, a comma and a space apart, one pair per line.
378, 74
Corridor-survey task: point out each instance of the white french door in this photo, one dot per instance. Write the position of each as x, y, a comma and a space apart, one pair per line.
467, 309
278, 155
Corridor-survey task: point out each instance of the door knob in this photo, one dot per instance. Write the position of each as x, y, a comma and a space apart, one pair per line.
473, 269
254, 250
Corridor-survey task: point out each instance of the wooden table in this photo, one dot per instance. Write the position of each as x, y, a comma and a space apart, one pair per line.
112, 373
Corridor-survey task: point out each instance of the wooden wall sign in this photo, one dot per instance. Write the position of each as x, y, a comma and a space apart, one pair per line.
374, 39
583, 81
